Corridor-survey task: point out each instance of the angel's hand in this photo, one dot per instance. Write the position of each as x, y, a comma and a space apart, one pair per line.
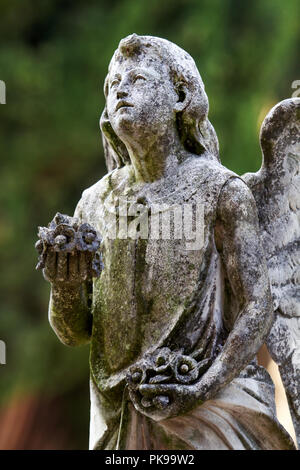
67, 268
67, 251
165, 383
163, 401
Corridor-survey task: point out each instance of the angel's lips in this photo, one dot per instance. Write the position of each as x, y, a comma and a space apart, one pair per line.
123, 104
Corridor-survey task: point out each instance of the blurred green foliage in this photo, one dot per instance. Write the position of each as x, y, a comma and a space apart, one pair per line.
53, 59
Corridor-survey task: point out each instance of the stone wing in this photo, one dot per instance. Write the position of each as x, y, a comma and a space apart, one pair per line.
276, 188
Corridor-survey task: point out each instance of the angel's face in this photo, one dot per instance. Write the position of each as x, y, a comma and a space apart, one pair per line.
140, 99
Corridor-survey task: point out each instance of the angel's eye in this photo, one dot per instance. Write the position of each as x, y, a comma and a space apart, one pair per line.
138, 77
114, 83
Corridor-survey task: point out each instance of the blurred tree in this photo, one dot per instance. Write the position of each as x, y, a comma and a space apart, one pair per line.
53, 59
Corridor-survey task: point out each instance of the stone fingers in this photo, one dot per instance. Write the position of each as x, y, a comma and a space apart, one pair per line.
49, 271
80, 266
62, 271
85, 265
73, 267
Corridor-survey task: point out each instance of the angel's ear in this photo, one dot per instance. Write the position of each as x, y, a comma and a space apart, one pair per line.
184, 97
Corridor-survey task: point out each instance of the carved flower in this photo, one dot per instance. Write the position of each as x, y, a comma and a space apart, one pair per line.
46, 236
59, 219
161, 360
87, 238
63, 238
185, 369
160, 370
137, 375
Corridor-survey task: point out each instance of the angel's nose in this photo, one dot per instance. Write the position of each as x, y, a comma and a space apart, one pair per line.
122, 94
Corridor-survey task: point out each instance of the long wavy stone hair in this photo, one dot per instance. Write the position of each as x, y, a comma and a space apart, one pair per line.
195, 130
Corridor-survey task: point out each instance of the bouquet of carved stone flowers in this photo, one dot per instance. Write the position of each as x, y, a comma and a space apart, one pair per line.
66, 235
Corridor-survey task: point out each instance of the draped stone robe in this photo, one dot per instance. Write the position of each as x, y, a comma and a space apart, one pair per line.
157, 292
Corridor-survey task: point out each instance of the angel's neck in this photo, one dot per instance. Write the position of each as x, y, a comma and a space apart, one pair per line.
154, 158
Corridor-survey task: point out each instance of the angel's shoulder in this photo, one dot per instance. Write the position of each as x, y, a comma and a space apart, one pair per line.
97, 193
236, 201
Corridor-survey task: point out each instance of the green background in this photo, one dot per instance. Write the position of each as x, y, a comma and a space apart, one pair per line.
53, 59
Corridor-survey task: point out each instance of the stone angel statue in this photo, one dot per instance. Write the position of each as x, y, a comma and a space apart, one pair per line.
176, 270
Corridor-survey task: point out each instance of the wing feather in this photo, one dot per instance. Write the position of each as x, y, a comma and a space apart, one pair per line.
276, 188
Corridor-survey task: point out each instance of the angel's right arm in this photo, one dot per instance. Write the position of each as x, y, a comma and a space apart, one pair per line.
69, 313
69, 307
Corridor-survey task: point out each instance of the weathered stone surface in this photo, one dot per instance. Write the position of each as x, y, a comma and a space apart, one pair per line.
183, 300
276, 188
